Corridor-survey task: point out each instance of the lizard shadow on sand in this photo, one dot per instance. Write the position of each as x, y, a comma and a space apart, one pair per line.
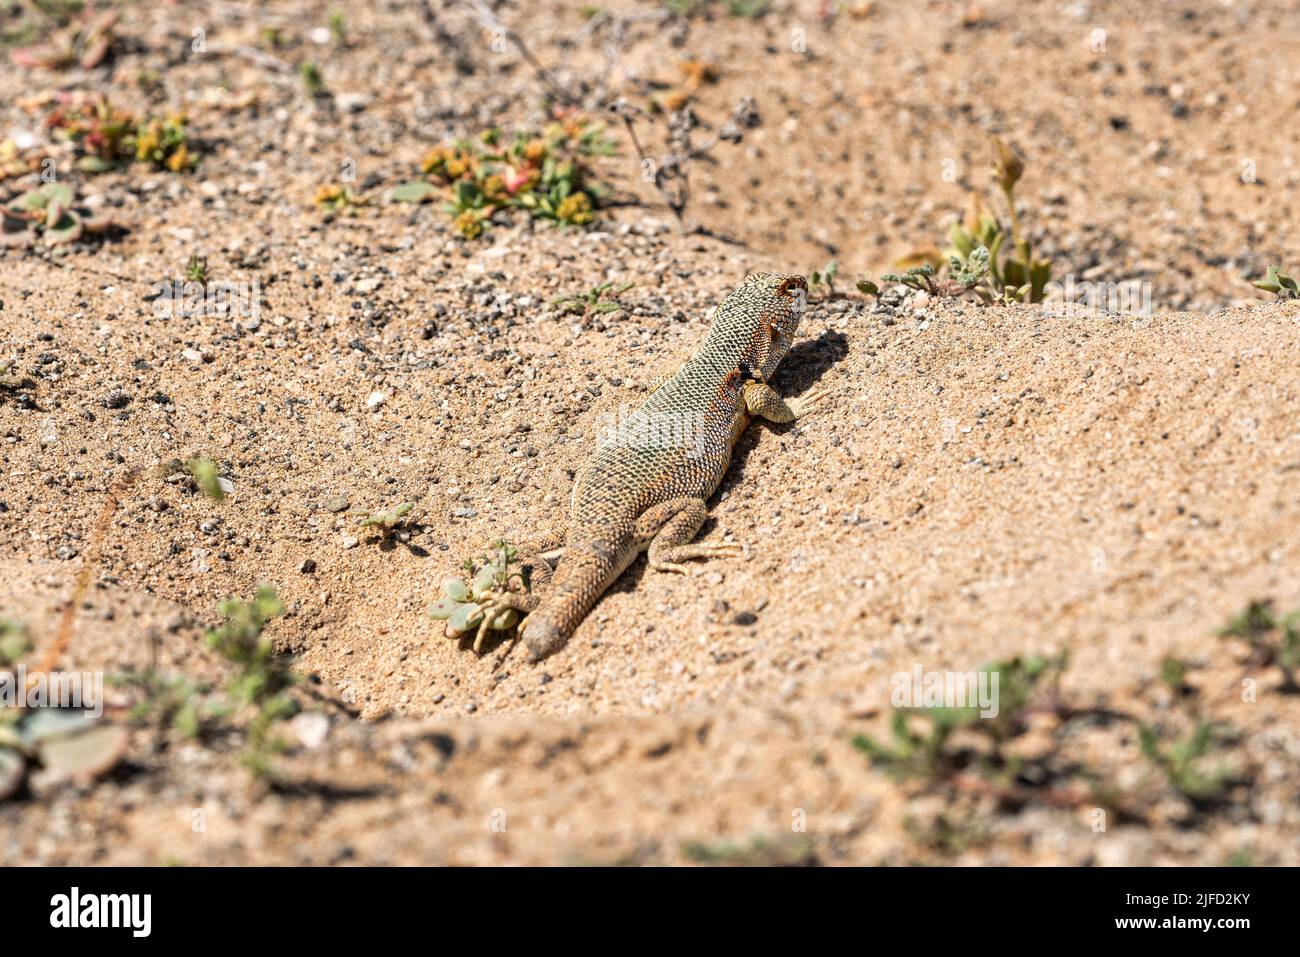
802, 367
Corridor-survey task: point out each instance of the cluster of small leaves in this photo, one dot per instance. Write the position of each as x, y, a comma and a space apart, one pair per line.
823, 280
168, 701
1181, 761
196, 270
165, 143
463, 599
1279, 283
595, 301
338, 27
1272, 640
977, 259
261, 678
549, 175
963, 754
387, 523
932, 754
337, 200
108, 138
962, 276
49, 213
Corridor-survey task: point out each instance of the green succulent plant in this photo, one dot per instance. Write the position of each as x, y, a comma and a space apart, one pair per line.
547, 174
1278, 283
982, 256
824, 278
48, 213
387, 522
66, 742
1015, 277
463, 601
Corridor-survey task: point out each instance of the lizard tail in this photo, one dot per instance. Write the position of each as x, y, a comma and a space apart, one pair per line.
585, 571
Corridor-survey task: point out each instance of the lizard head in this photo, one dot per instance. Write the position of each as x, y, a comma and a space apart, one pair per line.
763, 313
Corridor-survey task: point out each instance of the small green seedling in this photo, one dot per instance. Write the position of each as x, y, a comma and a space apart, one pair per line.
338, 200
167, 701
1278, 283
933, 754
996, 275
466, 599
595, 301
1180, 762
196, 270
388, 523
1173, 674
964, 275
261, 678
311, 78
824, 279
1272, 640
919, 277
338, 27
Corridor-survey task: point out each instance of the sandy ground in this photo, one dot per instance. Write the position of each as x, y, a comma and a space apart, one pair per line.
989, 482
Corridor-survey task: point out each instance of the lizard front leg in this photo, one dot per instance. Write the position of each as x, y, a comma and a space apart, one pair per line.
762, 401
667, 528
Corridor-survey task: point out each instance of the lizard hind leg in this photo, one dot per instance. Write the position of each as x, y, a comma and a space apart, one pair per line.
668, 528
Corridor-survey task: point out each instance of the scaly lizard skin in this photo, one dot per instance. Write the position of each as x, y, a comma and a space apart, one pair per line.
644, 488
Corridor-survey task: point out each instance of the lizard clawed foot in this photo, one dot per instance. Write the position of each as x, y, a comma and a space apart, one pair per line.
496, 605
809, 402
673, 558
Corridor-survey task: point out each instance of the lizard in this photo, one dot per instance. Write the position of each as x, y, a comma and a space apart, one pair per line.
646, 485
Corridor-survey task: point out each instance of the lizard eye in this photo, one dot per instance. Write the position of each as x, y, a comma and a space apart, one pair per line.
791, 282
